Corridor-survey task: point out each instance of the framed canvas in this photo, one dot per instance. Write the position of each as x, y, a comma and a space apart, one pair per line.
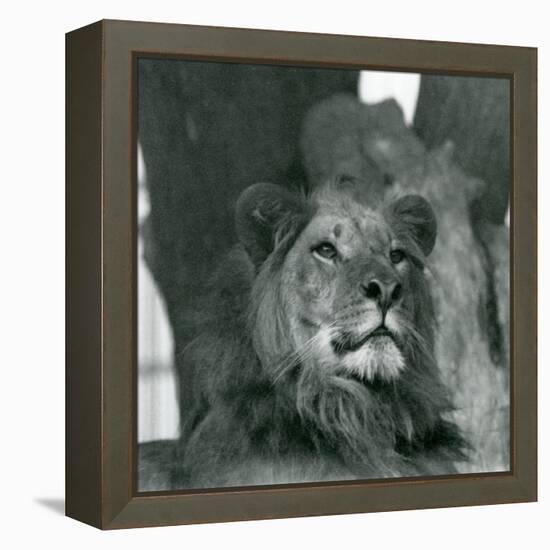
301, 274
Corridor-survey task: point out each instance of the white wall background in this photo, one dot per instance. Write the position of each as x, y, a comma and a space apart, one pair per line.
32, 274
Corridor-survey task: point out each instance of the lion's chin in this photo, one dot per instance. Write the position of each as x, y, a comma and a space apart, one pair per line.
378, 359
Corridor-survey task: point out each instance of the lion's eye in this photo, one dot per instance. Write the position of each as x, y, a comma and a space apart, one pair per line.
326, 251
397, 256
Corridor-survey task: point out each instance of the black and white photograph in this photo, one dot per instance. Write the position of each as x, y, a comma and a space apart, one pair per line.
323, 265
274, 275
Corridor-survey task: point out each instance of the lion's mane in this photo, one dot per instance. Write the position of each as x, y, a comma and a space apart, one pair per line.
247, 422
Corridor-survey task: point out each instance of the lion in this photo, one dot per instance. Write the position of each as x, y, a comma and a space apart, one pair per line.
315, 359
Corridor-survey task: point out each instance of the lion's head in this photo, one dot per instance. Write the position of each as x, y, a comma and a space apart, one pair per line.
340, 284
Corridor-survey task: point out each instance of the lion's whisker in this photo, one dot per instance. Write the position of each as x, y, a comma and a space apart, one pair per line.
305, 352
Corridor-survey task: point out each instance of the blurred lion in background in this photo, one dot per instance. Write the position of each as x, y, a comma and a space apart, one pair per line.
470, 265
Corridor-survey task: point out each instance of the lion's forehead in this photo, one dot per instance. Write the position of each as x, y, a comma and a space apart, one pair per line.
362, 230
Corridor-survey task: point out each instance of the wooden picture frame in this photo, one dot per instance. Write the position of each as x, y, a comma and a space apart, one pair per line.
101, 274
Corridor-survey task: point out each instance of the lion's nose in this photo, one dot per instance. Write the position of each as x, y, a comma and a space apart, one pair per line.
385, 294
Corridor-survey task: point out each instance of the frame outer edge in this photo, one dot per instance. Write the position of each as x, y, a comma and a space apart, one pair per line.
119, 278
524, 272
83, 324
120, 507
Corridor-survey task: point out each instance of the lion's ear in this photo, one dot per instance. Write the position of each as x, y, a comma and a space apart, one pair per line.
259, 212
417, 216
